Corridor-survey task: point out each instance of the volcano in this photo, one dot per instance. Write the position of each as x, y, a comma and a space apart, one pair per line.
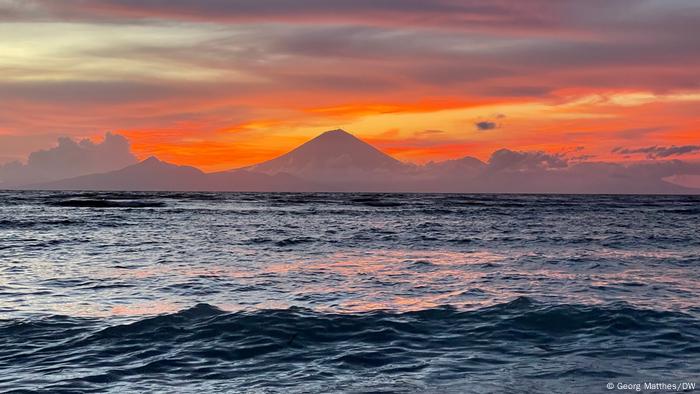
333, 156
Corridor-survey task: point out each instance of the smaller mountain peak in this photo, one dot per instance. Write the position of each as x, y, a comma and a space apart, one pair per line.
151, 160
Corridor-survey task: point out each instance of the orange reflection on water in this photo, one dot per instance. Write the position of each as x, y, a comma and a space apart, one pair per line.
628, 254
348, 263
407, 280
400, 303
143, 309
404, 280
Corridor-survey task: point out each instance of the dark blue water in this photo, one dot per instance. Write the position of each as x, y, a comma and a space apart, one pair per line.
317, 293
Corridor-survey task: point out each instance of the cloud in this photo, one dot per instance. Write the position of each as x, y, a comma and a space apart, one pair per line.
532, 17
87, 92
69, 158
538, 172
447, 13
428, 133
580, 158
509, 160
485, 125
199, 68
655, 152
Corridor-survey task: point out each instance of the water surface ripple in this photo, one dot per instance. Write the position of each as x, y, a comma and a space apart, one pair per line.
255, 292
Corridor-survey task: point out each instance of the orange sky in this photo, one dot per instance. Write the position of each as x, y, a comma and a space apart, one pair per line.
221, 85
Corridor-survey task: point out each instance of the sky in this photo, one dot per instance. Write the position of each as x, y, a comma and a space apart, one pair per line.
221, 84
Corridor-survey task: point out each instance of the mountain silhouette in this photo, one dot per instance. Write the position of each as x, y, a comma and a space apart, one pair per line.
338, 161
333, 157
150, 174
153, 174
332, 149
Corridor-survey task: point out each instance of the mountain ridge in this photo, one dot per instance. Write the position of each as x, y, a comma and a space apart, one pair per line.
337, 161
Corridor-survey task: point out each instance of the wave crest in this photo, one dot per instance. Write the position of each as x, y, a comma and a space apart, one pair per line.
204, 343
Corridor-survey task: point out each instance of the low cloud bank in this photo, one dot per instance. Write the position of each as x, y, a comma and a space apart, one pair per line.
69, 158
506, 159
511, 171
656, 152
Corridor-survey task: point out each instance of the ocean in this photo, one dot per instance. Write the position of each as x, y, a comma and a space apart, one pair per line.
351, 293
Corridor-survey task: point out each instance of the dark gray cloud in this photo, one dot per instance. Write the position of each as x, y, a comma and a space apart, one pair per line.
655, 152
240, 11
358, 47
485, 125
107, 92
437, 58
567, 17
68, 159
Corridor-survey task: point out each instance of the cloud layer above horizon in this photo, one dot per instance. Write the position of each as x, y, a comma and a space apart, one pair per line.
69, 158
220, 84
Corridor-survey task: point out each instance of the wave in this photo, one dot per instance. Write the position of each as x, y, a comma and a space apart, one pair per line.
286, 242
21, 224
100, 203
279, 348
379, 201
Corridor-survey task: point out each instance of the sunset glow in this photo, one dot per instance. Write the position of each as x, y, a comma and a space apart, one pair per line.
221, 85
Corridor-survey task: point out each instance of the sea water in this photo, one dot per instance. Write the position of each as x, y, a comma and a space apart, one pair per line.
307, 293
